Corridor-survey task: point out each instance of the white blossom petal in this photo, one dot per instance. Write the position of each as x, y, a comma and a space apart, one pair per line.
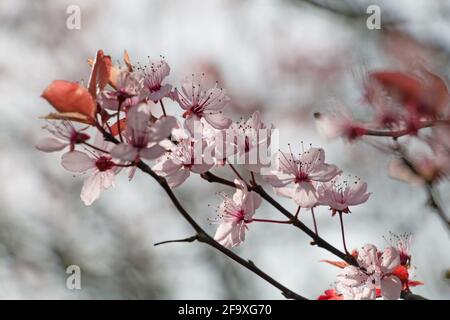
77, 161
50, 145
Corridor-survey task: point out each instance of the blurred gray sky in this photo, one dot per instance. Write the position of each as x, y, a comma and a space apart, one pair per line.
287, 58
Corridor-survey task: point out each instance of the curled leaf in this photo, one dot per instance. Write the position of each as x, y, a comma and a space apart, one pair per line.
100, 73
126, 59
70, 97
406, 86
115, 127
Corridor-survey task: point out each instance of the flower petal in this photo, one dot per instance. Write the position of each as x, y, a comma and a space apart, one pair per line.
152, 152
217, 120
50, 145
389, 260
124, 151
77, 161
305, 195
91, 189
230, 234
176, 179
351, 276
391, 288
251, 202
367, 256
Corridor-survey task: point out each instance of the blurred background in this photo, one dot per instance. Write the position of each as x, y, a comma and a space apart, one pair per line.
288, 59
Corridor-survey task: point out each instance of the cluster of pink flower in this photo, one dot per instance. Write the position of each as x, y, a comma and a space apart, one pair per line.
401, 104
120, 104
378, 274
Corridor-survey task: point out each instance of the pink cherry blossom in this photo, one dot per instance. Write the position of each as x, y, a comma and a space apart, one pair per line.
182, 159
64, 134
142, 137
154, 75
303, 171
250, 141
127, 93
342, 125
202, 103
98, 163
234, 215
374, 272
356, 292
339, 196
403, 245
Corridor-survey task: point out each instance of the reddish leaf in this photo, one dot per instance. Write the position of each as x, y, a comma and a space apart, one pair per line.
112, 70
406, 86
415, 283
437, 93
126, 59
67, 96
402, 273
100, 72
115, 127
330, 294
378, 292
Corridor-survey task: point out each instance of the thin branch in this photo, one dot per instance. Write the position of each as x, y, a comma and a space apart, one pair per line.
270, 221
190, 239
208, 176
407, 295
316, 239
429, 187
162, 108
343, 232
314, 221
297, 223
202, 236
350, 12
253, 178
434, 204
236, 172
403, 132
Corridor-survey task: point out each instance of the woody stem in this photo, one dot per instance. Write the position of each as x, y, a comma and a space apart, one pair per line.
314, 221
270, 221
297, 212
201, 235
94, 147
119, 129
236, 172
162, 108
343, 232
253, 178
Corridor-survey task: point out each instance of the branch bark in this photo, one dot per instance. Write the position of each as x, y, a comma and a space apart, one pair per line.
202, 235
210, 177
434, 204
320, 242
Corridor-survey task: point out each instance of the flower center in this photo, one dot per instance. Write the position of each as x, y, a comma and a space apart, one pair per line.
302, 177
238, 215
104, 163
154, 88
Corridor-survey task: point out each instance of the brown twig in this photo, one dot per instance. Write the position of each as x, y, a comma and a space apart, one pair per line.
403, 132
201, 235
434, 204
429, 187
208, 176
297, 223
